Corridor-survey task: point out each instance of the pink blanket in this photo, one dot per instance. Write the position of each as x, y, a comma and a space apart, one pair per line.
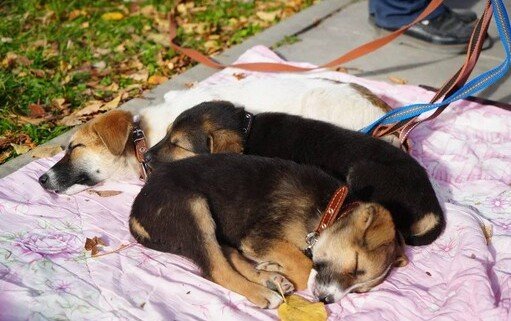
45, 273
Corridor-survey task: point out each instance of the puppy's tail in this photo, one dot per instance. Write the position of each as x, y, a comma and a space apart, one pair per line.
426, 229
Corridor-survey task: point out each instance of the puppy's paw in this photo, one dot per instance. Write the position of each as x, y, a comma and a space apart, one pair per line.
266, 299
276, 279
269, 266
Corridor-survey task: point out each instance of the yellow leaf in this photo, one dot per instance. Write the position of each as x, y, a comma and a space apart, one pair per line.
156, 80
159, 38
211, 44
112, 16
46, 151
296, 308
181, 8
106, 193
148, 11
268, 16
58, 102
397, 80
112, 103
20, 149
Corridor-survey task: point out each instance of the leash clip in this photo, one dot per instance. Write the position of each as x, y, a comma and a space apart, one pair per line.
310, 239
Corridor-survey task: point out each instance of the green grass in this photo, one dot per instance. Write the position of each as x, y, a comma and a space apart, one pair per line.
287, 40
62, 54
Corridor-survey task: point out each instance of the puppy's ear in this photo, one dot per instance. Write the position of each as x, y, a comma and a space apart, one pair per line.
225, 141
376, 226
113, 128
401, 258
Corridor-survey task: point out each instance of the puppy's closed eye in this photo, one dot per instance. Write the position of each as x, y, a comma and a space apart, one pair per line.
318, 266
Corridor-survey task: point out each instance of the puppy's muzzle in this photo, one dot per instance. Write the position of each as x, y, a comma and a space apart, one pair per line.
43, 180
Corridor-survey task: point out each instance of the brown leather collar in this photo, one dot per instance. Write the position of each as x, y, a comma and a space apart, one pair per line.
140, 144
248, 119
330, 215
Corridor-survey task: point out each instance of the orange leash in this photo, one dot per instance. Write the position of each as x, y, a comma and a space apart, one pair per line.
280, 67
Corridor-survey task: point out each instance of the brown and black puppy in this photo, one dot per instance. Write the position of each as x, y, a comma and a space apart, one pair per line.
375, 170
223, 210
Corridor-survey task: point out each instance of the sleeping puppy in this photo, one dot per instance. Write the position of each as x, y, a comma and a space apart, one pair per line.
226, 212
381, 173
103, 148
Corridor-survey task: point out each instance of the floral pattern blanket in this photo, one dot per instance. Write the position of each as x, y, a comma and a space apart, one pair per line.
46, 274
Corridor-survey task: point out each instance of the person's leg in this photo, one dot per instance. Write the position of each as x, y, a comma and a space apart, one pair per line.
393, 14
442, 27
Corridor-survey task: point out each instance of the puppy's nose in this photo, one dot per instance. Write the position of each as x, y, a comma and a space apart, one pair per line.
327, 299
148, 156
43, 179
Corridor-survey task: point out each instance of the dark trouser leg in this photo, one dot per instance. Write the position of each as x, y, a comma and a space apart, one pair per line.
393, 14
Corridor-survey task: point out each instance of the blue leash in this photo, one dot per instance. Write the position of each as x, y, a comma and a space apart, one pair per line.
472, 87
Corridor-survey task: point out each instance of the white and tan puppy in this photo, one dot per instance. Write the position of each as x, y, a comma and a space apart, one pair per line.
103, 149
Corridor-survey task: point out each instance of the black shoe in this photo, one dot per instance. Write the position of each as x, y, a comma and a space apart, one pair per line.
448, 29
467, 16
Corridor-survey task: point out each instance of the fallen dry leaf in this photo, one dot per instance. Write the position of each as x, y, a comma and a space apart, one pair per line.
46, 151
38, 73
488, 232
102, 51
139, 75
99, 65
191, 84
5, 155
211, 44
112, 16
296, 308
112, 103
148, 11
112, 87
40, 43
156, 80
239, 75
397, 80
58, 103
268, 16
106, 193
181, 8
20, 149
36, 111
24, 61
9, 60
75, 14
92, 244
76, 117
159, 38
32, 121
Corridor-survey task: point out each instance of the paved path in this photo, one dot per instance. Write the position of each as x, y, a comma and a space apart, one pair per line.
326, 31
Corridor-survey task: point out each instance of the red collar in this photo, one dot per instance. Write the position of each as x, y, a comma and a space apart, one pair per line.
330, 215
140, 144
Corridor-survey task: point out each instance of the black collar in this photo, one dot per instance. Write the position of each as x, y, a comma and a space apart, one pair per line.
248, 119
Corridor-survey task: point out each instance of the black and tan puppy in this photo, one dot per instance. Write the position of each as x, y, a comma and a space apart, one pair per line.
375, 170
221, 210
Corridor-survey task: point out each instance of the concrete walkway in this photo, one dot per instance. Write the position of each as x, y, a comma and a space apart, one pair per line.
326, 31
